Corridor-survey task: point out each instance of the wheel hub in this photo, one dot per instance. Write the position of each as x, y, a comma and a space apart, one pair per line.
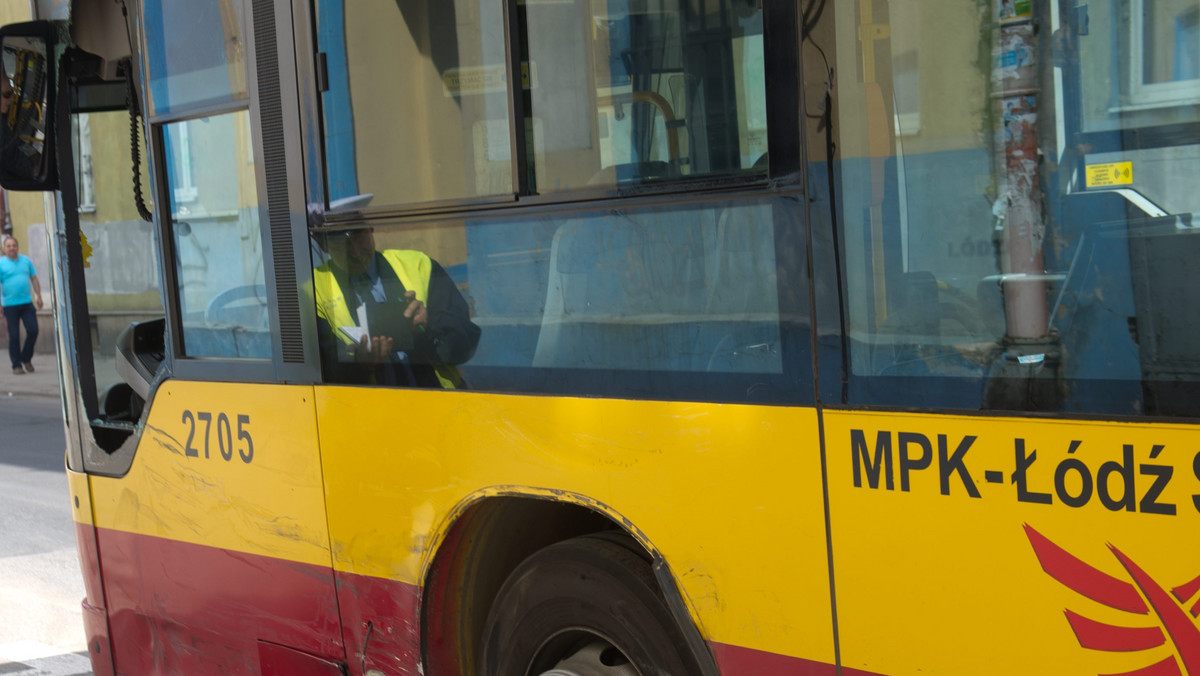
597, 658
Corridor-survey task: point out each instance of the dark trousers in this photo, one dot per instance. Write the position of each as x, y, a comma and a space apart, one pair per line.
15, 316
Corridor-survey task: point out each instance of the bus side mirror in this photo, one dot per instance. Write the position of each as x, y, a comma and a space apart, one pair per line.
28, 56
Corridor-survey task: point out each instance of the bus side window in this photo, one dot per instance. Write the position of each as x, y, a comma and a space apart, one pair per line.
215, 226
1006, 245
416, 108
672, 91
680, 301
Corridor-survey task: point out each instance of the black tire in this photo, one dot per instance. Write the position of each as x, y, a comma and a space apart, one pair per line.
572, 597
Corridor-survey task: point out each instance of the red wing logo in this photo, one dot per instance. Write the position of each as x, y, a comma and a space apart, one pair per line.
1142, 596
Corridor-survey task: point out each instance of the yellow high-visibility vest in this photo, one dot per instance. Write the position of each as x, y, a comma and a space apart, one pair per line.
414, 270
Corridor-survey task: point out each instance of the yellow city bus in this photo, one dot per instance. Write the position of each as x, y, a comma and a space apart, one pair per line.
581, 337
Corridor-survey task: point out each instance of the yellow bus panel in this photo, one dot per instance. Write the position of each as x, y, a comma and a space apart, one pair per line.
972, 545
730, 496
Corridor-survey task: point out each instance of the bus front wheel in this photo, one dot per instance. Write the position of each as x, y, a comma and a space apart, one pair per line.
589, 606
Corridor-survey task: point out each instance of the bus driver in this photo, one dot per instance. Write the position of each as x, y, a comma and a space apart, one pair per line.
392, 317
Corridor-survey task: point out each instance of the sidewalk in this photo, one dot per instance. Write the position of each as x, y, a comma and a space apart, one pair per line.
41, 383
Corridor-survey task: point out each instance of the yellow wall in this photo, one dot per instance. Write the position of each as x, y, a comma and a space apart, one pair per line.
112, 167
400, 108
953, 87
953, 84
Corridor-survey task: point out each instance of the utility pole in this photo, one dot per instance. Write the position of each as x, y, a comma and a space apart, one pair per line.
1027, 371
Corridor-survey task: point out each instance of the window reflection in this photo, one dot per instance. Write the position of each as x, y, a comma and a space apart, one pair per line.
682, 302
672, 89
389, 315
121, 258
24, 110
203, 61
218, 246
416, 108
615, 92
1170, 40
1023, 247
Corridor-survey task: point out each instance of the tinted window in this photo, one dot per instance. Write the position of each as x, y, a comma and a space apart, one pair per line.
218, 246
194, 52
416, 108
623, 91
1017, 234
699, 302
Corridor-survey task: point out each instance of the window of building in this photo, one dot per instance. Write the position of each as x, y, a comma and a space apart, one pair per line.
669, 90
1165, 35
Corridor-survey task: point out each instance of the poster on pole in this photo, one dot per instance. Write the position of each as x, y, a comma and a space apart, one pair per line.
1015, 10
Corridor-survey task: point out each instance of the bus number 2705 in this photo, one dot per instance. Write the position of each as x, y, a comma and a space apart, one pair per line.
225, 439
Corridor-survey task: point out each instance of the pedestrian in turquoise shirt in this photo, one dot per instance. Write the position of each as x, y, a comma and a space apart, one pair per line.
19, 288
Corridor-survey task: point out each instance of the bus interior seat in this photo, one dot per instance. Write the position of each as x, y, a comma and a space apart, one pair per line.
742, 305
620, 293
245, 305
676, 291
235, 323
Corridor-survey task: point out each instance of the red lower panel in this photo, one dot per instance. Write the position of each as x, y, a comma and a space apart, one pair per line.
89, 563
740, 661
390, 612
95, 628
95, 620
277, 660
180, 608
382, 624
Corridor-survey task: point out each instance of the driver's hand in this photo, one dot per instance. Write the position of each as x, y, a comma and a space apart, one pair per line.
373, 350
415, 310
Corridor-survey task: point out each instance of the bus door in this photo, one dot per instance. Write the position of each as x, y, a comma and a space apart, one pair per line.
195, 477
1007, 417
212, 534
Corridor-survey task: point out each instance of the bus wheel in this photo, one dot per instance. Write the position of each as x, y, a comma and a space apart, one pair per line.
589, 606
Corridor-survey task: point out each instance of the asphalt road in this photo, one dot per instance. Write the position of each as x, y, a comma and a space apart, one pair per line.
41, 630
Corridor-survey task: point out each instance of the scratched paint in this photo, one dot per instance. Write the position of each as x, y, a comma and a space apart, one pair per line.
665, 470
205, 552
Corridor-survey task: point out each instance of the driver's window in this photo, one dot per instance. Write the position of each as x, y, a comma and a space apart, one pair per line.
119, 258
215, 232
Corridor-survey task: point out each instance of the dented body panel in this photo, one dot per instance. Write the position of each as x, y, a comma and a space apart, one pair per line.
216, 537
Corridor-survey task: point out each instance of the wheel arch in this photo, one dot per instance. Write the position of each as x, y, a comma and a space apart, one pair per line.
502, 527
